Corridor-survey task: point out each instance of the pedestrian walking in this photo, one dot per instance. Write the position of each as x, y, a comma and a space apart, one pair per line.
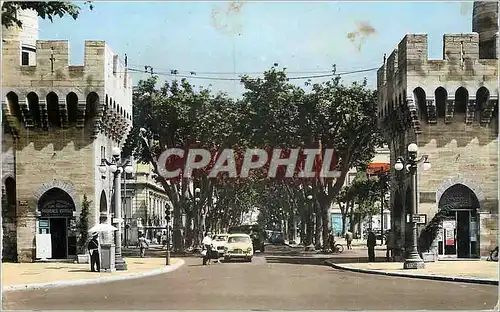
349, 237
207, 245
371, 243
163, 240
331, 241
391, 245
93, 247
143, 244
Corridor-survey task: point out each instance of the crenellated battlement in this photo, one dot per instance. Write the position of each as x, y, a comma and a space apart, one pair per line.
460, 85
101, 87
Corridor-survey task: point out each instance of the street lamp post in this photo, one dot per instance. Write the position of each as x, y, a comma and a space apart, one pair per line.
117, 166
413, 259
167, 217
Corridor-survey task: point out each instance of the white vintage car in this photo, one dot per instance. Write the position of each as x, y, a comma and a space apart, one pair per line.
238, 246
219, 242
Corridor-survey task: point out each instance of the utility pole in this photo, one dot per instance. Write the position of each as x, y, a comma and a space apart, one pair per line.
167, 217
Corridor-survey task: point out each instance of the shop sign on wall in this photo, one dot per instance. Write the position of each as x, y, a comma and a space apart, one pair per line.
440, 235
57, 208
473, 231
449, 227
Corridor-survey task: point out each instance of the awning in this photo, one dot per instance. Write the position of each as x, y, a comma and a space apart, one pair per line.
376, 168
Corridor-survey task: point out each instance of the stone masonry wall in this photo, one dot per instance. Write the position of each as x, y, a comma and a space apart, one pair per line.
462, 146
65, 156
69, 156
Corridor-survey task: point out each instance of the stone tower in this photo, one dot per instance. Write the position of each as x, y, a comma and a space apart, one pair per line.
449, 108
485, 23
60, 120
27, 35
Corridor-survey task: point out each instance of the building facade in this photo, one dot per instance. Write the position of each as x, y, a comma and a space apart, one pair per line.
59, 121
449, 108
144, 205
379, 161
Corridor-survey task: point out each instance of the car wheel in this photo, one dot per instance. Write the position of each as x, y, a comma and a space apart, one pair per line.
227, 259
249, 259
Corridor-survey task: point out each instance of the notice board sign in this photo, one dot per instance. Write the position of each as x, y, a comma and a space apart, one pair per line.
43, 246
473, 231
450, 238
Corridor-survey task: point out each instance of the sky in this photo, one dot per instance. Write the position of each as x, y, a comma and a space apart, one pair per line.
225, 39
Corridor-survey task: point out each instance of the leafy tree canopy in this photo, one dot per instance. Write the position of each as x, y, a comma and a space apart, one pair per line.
44, 9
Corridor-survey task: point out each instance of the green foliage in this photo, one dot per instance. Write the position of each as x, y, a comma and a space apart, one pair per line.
272, 113
44, 9
83, 224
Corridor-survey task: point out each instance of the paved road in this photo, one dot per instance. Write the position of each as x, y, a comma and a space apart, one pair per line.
259, 285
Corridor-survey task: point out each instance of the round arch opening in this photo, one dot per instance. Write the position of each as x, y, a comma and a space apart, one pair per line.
458, 235
56, 225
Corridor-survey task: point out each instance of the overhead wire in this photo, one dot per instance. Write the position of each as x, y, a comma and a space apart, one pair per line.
310, 71
193, 75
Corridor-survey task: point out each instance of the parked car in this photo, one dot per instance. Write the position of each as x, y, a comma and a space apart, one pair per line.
219, 242
238, 246
257, 235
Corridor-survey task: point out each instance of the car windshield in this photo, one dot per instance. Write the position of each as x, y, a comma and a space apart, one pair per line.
221, 238
239, 239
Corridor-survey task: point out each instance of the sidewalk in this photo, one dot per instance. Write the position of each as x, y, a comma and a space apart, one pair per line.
483, 272
52, 274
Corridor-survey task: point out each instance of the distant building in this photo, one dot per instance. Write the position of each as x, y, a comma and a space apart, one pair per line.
59, 121
144, 204
380, 162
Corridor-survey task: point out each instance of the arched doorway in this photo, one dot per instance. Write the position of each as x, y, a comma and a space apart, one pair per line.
9, 237
55, 208
103, 208
458, 236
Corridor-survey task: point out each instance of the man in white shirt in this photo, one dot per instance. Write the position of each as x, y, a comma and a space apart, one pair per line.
207, 244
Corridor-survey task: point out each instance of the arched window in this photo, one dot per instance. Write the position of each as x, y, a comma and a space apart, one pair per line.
34, 108
103, 203
461, 100
13, 105
92, 103
53, 115
10, 198
72, 105
482, 96
441, 96
420, 101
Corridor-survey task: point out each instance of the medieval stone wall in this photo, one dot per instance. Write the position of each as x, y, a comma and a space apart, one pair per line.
449, 107
63, 120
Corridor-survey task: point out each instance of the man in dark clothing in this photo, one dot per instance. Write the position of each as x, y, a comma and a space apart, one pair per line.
93, 247
371, 243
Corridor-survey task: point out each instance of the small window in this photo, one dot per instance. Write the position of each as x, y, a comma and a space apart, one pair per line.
25, 58
115, 64
103, 152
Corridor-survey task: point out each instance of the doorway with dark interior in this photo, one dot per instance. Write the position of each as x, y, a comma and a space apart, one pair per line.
57, 206
459, 233
58, 232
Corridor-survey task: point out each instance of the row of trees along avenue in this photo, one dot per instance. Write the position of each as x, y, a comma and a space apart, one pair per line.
272, 113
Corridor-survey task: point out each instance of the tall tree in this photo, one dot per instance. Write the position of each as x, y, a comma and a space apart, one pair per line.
44, 9
177, 115
346, 121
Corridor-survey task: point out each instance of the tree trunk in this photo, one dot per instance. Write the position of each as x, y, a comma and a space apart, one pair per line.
317, 229
310, 226
326, 224
344, 225
177, 224
352, 219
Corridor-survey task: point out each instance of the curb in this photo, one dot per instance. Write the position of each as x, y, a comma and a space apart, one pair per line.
483, 281
93, 280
